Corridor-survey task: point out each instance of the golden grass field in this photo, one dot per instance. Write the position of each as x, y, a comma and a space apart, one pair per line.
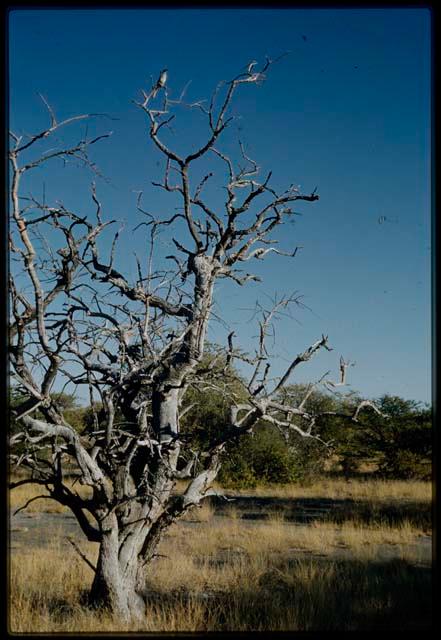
225, 573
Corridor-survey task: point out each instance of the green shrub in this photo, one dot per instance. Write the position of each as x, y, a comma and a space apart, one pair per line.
265, 457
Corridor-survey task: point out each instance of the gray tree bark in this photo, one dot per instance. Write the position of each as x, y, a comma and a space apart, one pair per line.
135, 452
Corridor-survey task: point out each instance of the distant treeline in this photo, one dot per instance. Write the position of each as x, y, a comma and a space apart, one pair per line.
398, 447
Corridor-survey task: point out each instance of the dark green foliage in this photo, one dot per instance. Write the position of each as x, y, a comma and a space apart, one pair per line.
317, 402
206, 409
73, 413
400, 446
259, 457
404, 441
265, 457
207, 417
93, 419
15, 399
67, 403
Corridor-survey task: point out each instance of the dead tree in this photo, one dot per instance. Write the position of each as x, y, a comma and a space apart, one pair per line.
139, 345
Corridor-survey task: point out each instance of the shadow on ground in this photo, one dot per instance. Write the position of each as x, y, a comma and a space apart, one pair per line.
304, 510
317, 594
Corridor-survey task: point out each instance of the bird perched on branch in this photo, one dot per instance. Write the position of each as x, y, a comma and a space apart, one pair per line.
162, 79
160, 83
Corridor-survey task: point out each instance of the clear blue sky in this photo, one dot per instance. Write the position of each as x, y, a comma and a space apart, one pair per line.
347, 111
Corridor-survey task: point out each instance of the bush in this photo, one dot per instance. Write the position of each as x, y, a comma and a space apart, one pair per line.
265, 457
403, 441
406, 465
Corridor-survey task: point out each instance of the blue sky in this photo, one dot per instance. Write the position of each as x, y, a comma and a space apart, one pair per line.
348, 112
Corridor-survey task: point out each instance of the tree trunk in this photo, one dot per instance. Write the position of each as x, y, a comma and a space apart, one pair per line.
114, 587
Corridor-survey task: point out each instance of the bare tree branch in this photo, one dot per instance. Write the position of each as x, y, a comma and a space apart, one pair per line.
136, 343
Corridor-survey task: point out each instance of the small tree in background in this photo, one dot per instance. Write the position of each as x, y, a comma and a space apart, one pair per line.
402, 444
394, 444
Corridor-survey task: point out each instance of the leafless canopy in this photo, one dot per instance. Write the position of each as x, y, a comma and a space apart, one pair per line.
138, 345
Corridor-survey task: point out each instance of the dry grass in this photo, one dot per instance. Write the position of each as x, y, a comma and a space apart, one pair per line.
229, 574
368, 490
23, 494
275, 536
372, 491
200, 513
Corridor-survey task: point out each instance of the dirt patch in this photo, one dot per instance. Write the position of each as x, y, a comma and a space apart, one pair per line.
42, 529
